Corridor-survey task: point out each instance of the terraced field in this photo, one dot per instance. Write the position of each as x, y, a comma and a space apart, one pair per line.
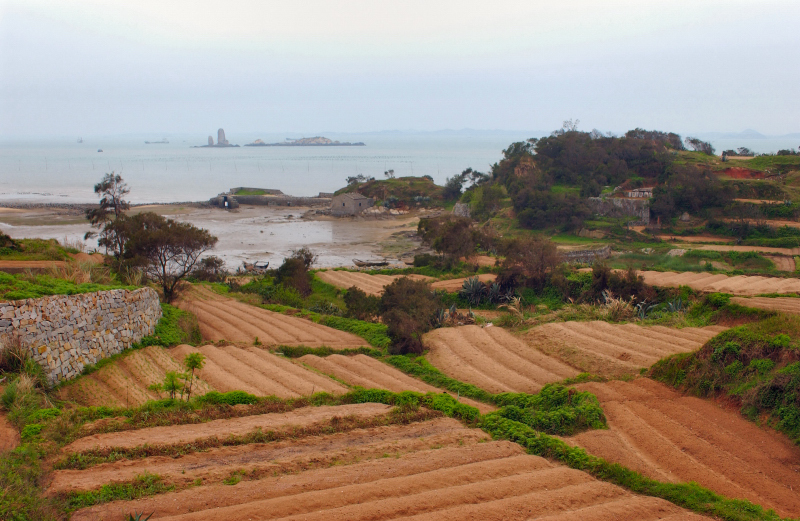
436, 469
670, 437
615, 350
374, 284
785, 304
736, 285
493, 359
250, 369
364, 371
453, 285
223, 318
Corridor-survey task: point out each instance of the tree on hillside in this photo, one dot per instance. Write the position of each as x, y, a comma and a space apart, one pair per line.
389, 174
167, 250
449, 235
700, 146
408, 308
112, 191
528, 260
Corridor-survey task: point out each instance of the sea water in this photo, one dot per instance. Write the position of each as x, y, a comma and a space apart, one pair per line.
65, 171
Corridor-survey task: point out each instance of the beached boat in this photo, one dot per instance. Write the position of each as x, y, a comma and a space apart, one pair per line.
367, 264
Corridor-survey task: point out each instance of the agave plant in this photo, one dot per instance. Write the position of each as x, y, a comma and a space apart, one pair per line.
676, 305
642, 309
139, 516
439, 318
493, 293
473, 290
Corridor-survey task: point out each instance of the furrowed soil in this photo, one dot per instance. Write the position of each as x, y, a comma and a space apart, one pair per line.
782, 263
785, 304
124, 383
492, 359
189, 433
223, 318
453, 285
369, 284
737, 285
670, 437
364, 371
614, 350
431, 470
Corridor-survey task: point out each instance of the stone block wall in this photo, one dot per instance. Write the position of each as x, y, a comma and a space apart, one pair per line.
586, 256
66, 332
619, 207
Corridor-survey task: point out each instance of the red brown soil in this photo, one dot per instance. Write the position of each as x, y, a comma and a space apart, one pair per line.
737, 285
369, 284
785, 304
494, 480
737, 172
761, 249
223, 318
694, 238
493, 359
669, 437
257, 371
124, 383
364, 371
88, 258
453, 285
9, 437
782, 263
36, 266
223, 428
615, 350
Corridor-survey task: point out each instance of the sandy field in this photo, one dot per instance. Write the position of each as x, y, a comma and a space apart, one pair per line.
670, 437
434, 470
9, 436
785, 304
257, 371
124, 382
453, 285
369, 284
35, 266
694, 238
615, 350
782, 263
223, 318
744, 285
492, 359
365, 371
725, 247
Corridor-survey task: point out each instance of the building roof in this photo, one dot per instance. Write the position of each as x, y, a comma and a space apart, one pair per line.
354, 195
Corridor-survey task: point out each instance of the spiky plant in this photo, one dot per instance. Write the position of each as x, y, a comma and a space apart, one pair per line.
473, 290
494, 293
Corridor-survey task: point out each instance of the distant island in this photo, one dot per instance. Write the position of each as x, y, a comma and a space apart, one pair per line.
162, 142
318, 141
221, 141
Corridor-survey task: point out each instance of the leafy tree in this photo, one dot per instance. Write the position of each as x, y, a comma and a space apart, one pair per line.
293, 273
360, 305
167, 250
210, 269
450, 235
389, 174
172, 384
191, 362
112, 191
691, 189
528, 260
700, 146
408, 308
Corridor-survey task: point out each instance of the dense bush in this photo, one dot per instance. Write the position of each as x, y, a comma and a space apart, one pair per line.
23, 286
175, 327
360, 305
408, 307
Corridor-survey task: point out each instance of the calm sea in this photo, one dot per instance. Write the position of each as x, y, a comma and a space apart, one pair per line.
65, 171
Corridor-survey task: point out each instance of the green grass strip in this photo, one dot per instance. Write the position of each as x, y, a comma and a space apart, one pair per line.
298, 351
687, 495
142, 485
423, 370
375, 334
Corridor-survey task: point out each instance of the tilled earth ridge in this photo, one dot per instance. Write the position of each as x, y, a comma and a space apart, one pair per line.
223, 318
615, 349
257, 372
188, 433
453, 285
492, 359
737, 285
364, 371
124, 383
489, 480
369, 284
669, 437
785, 304
280, 457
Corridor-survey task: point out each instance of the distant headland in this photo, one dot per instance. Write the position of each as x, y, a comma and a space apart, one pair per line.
318, 141
221, 141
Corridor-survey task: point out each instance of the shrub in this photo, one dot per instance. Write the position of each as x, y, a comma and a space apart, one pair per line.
408, 308
360, 305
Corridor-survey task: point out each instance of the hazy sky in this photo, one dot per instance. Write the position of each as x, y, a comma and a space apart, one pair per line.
94, 67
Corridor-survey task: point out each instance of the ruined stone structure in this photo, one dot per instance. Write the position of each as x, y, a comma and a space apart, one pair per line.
66, 332
621, 207
461, 210
351, 203
586, 256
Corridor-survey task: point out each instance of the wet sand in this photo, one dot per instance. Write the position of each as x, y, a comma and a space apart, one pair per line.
250, 233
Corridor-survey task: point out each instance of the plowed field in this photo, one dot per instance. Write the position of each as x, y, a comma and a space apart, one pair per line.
364, 371
369, 284
223, 318
785, 304
453, 285
492, 359
124, 383
435, 470
782, 263
257, 372
737, 285
615, 350
669, 437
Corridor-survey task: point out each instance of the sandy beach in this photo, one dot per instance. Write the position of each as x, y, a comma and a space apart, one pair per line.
248, 233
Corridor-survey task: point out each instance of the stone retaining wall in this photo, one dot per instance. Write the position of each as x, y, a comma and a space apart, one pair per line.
619, 207
66, 332
586, 256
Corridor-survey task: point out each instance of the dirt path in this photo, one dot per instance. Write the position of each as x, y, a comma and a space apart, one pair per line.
223, 428
492, 359
36, 266
738, 285
782, 263
785, 304
257, 371
693, 239
223, 318
364, 371
666, 436
9, 437
615, 350
493, 480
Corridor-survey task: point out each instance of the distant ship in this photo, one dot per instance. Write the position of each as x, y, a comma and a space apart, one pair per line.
99, 149
162, 142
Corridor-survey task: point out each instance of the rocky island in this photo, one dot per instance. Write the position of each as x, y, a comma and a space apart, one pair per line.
221, 141
317, 141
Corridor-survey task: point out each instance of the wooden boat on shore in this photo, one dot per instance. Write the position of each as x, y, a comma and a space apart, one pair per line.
369, 264
256, 268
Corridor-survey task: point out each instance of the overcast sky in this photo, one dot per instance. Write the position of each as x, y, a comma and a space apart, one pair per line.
95, 67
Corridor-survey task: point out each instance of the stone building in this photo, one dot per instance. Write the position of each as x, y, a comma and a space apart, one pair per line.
640, 193
352, 203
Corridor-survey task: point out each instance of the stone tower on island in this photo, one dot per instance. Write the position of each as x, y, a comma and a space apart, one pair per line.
221, 137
